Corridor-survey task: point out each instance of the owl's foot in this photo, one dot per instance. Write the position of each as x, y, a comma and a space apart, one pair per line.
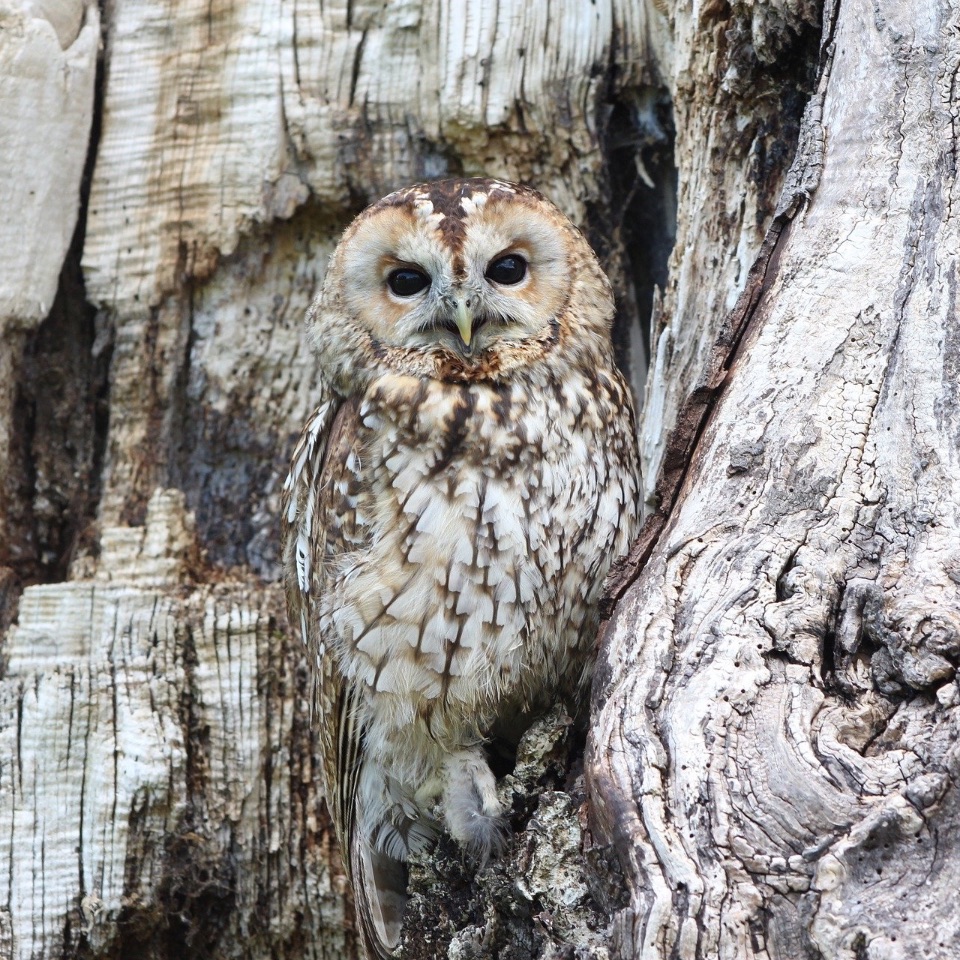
471, 809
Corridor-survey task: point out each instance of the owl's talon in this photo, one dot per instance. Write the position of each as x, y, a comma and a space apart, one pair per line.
471, 808
489, 838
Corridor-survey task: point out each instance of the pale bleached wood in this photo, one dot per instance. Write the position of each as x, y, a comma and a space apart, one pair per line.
158, 787
164, 799
775, 754
48, 64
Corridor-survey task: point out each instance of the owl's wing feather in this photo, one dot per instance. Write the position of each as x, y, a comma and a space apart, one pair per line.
308, 536
382, 883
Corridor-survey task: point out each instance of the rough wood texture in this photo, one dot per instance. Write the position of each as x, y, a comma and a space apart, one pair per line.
738, 75
158, 795
48, 61
162, 798
775, 747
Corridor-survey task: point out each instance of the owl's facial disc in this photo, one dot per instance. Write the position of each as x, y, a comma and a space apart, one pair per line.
458, 320
462, 276
501, 289
464, 319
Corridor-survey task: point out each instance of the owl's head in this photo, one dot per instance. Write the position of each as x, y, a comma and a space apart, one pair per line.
460, 279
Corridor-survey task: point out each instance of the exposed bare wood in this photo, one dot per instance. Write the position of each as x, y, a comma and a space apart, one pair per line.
158, 794
48, 62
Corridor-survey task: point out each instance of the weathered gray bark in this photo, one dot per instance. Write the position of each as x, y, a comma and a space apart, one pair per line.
775, 745
159, 799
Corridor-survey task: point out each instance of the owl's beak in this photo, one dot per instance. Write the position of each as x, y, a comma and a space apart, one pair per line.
464, 320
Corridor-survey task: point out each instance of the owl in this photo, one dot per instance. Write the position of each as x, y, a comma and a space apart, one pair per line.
451, 510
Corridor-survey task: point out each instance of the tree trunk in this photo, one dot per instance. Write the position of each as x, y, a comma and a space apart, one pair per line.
775, 737
159, 796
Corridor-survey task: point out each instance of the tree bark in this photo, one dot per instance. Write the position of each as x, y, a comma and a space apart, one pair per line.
159, 796
774, 748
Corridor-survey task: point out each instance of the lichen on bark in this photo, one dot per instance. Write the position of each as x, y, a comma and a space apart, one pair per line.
539, 900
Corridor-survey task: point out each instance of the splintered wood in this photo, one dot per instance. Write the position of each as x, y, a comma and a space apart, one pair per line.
160, 774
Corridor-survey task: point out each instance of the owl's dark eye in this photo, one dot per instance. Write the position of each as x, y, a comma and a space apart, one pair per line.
509, 269
405, 282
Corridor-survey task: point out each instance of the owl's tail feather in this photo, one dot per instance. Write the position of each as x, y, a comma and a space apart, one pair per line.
380, 890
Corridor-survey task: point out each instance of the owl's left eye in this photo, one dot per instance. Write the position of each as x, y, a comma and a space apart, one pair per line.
406, 282
507, 270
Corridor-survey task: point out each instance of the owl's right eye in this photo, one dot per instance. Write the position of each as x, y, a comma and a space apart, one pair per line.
406, 282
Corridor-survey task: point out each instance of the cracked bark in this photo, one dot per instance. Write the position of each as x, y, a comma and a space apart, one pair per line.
774, 747
158, 798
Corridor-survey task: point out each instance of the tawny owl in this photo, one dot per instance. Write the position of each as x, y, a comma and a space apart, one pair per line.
451, 511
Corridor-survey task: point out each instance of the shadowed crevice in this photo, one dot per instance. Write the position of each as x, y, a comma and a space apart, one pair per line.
633, 225
60, 415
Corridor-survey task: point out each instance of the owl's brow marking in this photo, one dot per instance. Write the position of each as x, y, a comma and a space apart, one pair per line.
447, 198
452, 202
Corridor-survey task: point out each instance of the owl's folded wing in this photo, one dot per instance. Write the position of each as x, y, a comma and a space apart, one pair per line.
326, 440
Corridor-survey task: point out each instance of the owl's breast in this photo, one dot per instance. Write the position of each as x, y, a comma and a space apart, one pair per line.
485, 529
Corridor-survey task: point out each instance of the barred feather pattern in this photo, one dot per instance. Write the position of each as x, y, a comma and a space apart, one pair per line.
449, 518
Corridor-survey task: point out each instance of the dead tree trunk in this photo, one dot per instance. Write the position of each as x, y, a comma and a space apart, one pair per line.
157, 789
775, 741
